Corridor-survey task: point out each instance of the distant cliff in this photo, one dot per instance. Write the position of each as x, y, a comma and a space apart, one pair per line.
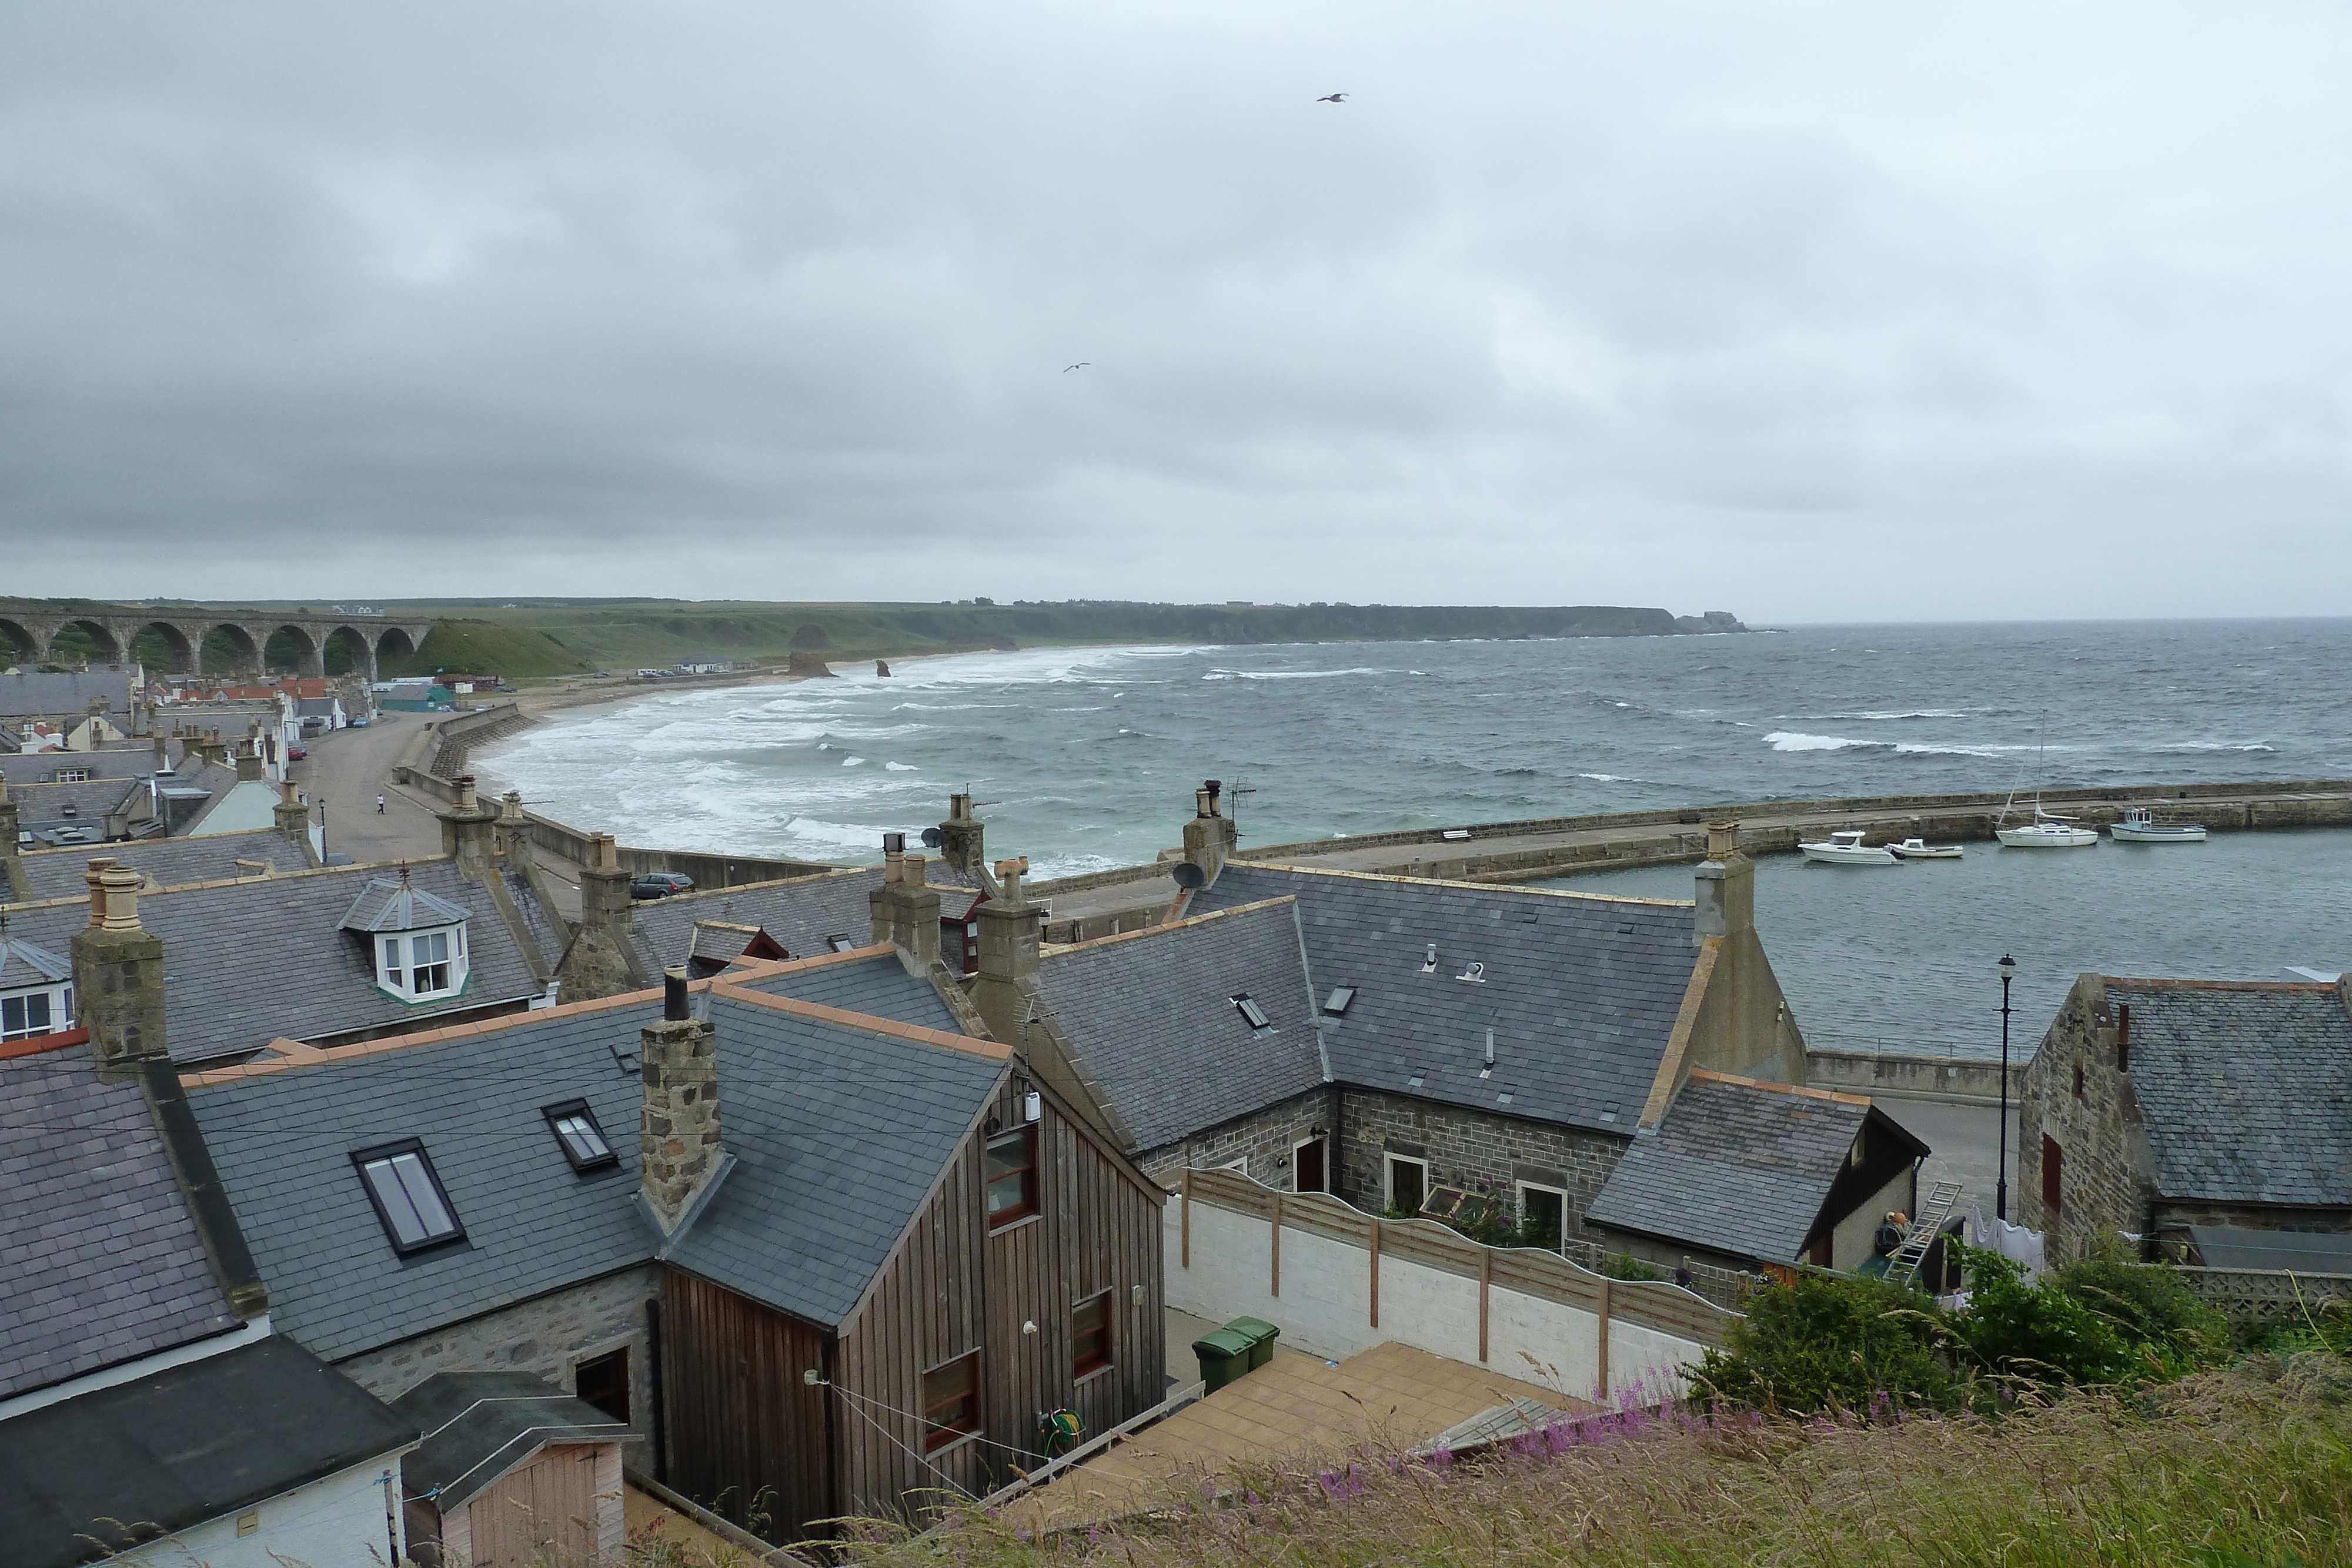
626, 634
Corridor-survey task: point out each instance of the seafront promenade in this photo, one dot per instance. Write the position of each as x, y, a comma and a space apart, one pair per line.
1123, 900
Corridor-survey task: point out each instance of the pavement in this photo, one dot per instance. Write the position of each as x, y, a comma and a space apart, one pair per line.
1966, 1144
344, 773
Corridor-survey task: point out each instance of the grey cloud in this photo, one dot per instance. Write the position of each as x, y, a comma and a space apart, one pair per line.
1564, 305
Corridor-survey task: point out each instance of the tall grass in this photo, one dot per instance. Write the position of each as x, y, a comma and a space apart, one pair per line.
2249, 1465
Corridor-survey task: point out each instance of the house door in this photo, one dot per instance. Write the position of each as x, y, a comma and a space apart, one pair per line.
548, 1505
1306, 1167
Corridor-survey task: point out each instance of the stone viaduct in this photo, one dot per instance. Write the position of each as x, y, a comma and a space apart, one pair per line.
34, 625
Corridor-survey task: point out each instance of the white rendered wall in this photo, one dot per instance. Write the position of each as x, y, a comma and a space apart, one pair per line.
1326, 1302
336, 1522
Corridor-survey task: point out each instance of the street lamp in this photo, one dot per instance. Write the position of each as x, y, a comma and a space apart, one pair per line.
2008, 968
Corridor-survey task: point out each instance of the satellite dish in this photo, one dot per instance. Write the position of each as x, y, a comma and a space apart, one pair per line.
1189, 876
933, 838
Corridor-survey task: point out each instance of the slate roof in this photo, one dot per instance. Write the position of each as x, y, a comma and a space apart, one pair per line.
1734, 1168
100, 1261
169, 863
107, 762
2245, 1088
1153, 1024
183, 1446
280, 939
283, 1144
878, 986
44, 805
478, 1425
838, 1135
23, 964
36, 695
801, 912
1581, 991
392, 904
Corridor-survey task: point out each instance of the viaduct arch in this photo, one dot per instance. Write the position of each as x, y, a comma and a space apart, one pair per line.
368, 639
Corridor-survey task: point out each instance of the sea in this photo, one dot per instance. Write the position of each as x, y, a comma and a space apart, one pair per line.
1086, 759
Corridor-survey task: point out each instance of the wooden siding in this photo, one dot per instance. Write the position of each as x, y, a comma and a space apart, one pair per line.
746, 1433
952, 1288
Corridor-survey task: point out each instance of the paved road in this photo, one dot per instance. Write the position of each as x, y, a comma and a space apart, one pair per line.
346, 770
1966, 1144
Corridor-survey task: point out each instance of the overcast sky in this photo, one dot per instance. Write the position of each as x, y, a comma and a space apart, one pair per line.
1864, 311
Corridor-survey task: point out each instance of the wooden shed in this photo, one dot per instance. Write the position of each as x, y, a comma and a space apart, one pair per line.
510, 1469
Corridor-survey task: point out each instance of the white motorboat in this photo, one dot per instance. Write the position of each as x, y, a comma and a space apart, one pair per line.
2139, 826
2048, 831
1847, 849
1921, 850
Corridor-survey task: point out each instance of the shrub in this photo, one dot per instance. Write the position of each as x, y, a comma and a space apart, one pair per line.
1828, 1343
2039, 1333
1625, 1266
2168, 1325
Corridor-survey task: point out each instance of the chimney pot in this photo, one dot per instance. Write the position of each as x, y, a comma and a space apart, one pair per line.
95, 875
120, 885
1722, 840
913, 871
675, 1008
464, 792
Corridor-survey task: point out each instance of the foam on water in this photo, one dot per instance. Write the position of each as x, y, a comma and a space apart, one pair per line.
1088, 756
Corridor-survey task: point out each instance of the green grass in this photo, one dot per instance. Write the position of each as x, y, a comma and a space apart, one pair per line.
2248, 1465
482, 647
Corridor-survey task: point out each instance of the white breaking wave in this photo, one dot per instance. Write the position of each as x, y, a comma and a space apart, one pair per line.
1796, 740
2213, 746
1293, 674
899, 767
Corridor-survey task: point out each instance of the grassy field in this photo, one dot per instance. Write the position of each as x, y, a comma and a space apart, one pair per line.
2229, 1469
550, 638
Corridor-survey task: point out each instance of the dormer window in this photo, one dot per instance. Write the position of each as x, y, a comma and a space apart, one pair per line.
417, 941
36, 994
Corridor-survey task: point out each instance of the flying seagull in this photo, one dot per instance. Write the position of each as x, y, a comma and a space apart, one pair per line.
1081, 365
1333, 98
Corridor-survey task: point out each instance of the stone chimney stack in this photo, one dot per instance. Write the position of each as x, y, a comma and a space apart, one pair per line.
118, 974
293, 814
1725, 886
1209, 837
677, 1136
1006, 987
163, 752
881, 905
513, 838
962, 836
9, 828
248, 761
466, 834
596, 964
915, 924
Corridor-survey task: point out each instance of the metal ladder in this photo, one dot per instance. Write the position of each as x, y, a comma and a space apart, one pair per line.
1903, 1266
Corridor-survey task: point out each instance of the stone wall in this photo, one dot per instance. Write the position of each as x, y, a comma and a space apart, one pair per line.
1263, 1139
1896, 1075
548, 1335
1469, 1148
2106, 1168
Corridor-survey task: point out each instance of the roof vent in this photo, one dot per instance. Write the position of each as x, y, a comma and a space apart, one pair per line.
1337, 1004
1626, 929
1429, 964
1474, 973
1414, 1082
1609, 1111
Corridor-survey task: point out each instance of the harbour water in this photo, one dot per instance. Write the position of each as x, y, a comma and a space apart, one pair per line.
1085, 758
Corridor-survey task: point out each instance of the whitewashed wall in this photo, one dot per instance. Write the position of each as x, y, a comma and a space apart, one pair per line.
1325, 1307
335, 1521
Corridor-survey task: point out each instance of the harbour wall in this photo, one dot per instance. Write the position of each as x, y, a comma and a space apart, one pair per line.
1564, 846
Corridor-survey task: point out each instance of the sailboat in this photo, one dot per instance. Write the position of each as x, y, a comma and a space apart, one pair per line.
2049, 830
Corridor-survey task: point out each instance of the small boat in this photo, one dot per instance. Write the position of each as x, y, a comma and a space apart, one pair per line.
1847, 849
2139, 826
2048, 831
1921, 850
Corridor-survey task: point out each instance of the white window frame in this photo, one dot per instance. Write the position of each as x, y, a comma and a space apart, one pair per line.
397, 970
1521, 1190
60, 999
1241, 1164
1389, 1162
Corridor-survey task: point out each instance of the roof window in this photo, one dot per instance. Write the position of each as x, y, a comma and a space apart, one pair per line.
840, 943
418, 948
1249, 1010
583, 1142
408, 1197
1625, 929
1609, 1111
1337, 1004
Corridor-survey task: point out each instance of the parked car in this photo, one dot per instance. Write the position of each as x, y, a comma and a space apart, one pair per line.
660, 885
360, 722
297, 753
504, 688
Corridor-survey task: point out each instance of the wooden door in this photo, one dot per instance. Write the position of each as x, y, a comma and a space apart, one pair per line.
1307, 1167
549, 1503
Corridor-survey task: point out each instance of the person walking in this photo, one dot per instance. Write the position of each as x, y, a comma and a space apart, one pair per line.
378, 805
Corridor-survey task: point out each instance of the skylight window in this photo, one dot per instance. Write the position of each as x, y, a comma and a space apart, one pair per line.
1341, 998
840, 943
1249, 1010
584, 1141
408, 1197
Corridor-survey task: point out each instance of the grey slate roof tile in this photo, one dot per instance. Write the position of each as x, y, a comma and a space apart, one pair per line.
171, 862
227, 948
100, 1259
1733, 1167
1151, 1019
801, 914
1581, 991
37, 695
878, 987
2246, 1089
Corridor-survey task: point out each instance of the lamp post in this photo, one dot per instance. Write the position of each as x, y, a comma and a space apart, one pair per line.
2008, 968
